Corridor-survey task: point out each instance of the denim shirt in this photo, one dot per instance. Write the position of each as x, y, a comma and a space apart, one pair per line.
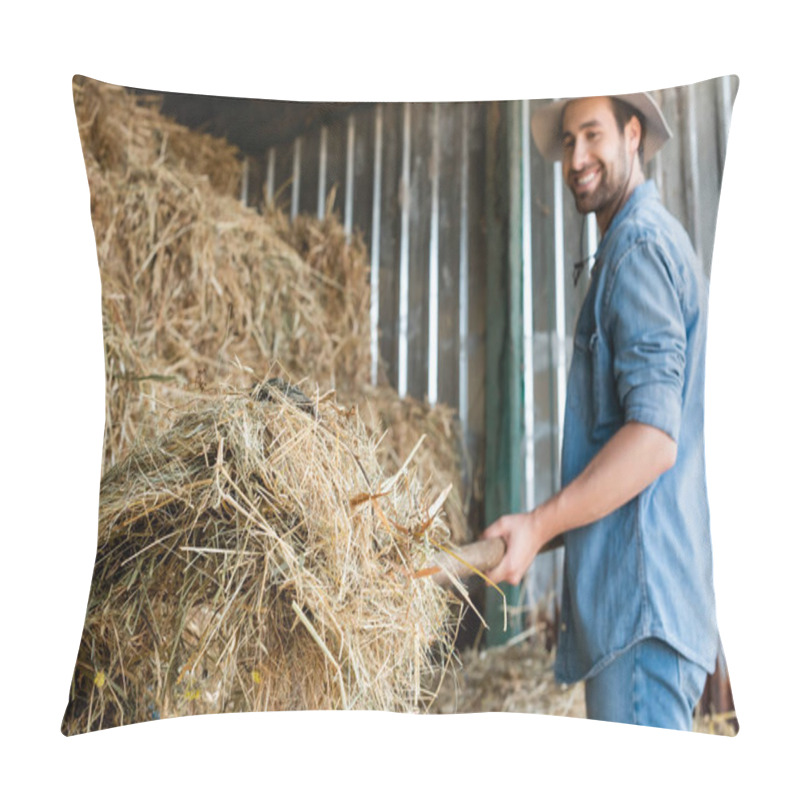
639, 352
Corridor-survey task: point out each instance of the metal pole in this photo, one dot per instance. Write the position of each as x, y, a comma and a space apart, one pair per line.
511, 483
656, 166
349, 170
561, 310
693, 187
463, 276
298, 143
374, 308
405, 199
527, 308
726, 91
433, 269
557, 557
323, 171
591, 240
245, 180
270, 174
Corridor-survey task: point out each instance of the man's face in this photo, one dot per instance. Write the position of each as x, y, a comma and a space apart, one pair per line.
596, 157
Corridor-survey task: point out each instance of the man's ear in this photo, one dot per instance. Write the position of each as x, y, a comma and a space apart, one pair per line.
633, 132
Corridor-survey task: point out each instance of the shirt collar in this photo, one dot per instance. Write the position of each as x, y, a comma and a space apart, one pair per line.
644, 191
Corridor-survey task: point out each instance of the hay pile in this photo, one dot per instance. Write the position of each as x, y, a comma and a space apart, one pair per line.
516, 677
121, 134
252, 552
199, 291
401, 422
256, 558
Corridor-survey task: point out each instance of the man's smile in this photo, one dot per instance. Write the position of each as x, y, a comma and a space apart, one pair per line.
583, 181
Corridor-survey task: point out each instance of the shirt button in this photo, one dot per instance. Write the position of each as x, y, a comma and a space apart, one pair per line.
563, 626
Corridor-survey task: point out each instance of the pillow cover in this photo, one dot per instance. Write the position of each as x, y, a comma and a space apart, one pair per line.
308, 396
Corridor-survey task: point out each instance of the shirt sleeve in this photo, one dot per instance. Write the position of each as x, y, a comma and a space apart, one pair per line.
647, 329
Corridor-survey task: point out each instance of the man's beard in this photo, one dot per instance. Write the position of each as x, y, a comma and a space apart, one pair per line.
609, 191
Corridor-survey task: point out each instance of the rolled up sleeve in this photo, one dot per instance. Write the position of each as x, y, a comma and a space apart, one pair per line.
648, 333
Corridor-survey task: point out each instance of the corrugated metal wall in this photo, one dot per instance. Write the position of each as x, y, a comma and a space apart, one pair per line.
412, 179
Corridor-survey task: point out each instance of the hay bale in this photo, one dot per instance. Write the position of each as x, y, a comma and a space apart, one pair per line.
120, 131
441, 460
342, 264
233, 571
342, 259
255, 557
193, 287
198, 290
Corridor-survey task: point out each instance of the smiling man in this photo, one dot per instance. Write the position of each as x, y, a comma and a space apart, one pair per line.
638, 613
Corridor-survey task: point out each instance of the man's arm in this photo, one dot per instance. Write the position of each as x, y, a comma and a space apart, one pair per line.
627, 464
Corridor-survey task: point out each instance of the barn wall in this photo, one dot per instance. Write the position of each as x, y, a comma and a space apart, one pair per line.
433, 188
409, 179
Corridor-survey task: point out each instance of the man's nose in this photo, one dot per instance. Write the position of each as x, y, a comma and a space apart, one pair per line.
578, 157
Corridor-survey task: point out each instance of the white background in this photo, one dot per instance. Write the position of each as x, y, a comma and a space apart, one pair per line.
52, 386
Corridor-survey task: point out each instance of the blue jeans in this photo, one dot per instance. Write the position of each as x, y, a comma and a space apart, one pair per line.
649, 684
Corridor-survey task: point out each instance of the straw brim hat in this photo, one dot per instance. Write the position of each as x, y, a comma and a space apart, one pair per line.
546, 125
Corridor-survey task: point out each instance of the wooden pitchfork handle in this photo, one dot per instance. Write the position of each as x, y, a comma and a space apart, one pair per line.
483, 555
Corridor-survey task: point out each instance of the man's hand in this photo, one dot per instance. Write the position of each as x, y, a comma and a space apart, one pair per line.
524, 535
634, 457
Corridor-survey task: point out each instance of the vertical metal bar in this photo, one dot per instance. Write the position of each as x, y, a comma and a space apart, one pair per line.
270, 174
591, 240
693, 187
433, 269
374, 309
510, 299
245, 180
349, 171
323, 171
727, 101
505, 452
656, 165
657, 169
560, 360
463, 276
298, 144
405, 218
527, 308
561, 311
726, 92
